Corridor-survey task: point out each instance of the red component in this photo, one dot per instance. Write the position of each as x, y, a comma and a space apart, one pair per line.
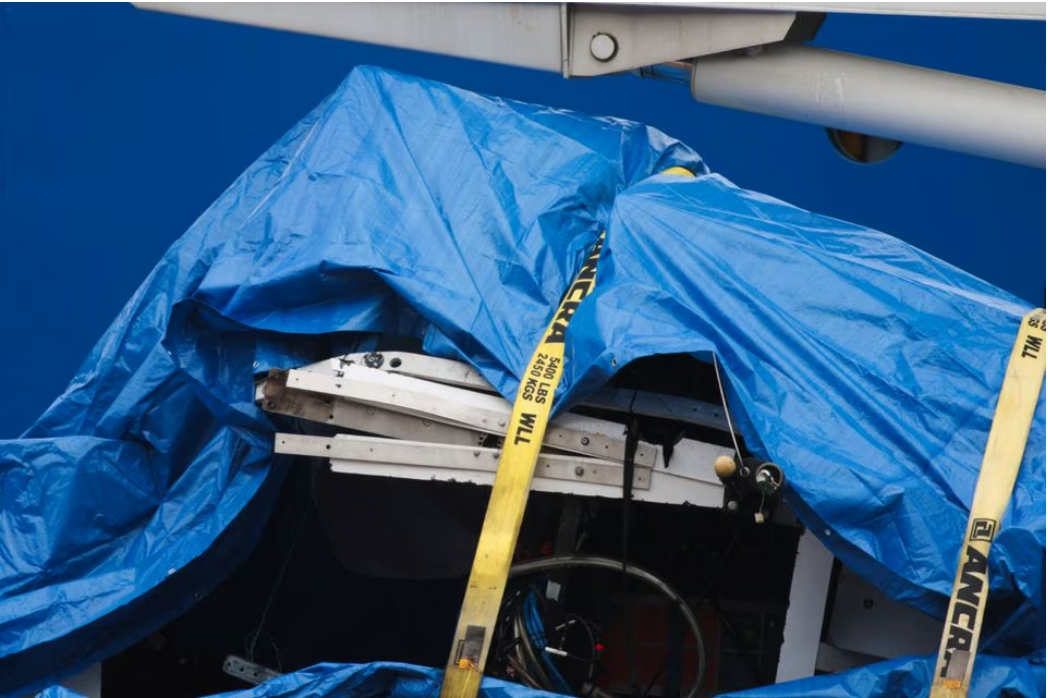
651, 625
546, 550
599, 647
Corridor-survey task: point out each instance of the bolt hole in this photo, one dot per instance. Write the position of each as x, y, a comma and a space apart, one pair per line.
395, 363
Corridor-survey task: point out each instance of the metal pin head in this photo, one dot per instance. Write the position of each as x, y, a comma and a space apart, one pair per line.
603, 47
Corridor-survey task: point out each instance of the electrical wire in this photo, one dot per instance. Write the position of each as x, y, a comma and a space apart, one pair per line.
558, 562
528, 658
632, 439
529, 626
586, 625
280, 578
727, 414
526, 655
538, 637
522, 673
706, 589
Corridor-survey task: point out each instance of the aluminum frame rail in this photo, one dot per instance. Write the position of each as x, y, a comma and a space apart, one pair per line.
842, 91
448, 424
880, 98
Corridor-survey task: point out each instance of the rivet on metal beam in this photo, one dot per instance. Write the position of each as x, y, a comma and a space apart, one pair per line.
603, 47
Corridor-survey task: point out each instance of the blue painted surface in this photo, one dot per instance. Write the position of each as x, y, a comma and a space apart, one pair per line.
119, 127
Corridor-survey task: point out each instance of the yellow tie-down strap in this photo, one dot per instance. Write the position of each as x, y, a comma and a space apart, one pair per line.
509, 494
1004, 452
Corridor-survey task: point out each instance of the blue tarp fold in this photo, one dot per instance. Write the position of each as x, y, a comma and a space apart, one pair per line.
906, 677
910, 677
376, 680
866, 368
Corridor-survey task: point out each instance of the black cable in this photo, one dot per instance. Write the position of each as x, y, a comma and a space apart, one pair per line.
525, 678
280, 575
655, 677
632, 439
530, 659
721, 560
589, 634
557, 562
749, 657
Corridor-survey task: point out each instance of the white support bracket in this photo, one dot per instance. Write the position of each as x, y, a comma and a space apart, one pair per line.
430, 368
545, 36
606, 39
466, 409
366, 455
686, 483
276, 398
437, 431
461, 375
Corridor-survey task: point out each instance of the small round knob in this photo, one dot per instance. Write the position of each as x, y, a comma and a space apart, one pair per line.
724, 466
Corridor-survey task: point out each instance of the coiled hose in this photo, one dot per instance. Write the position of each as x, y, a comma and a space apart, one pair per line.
558, 562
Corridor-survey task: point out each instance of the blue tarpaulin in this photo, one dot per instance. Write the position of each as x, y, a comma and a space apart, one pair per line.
910, 677
996, 677
376, 680
866, 368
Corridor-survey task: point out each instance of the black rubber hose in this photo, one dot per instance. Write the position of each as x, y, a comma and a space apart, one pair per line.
558, 562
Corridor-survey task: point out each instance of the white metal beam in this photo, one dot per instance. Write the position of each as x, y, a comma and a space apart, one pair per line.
461, 375
690, 461
853, 93
367, 418
546, 36
468, 409
431, 368
641, 36
376, 454
879, 98
987, 10
522, 34
688, 480
808, 591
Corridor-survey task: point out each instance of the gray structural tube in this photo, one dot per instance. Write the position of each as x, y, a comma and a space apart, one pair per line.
878, 98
